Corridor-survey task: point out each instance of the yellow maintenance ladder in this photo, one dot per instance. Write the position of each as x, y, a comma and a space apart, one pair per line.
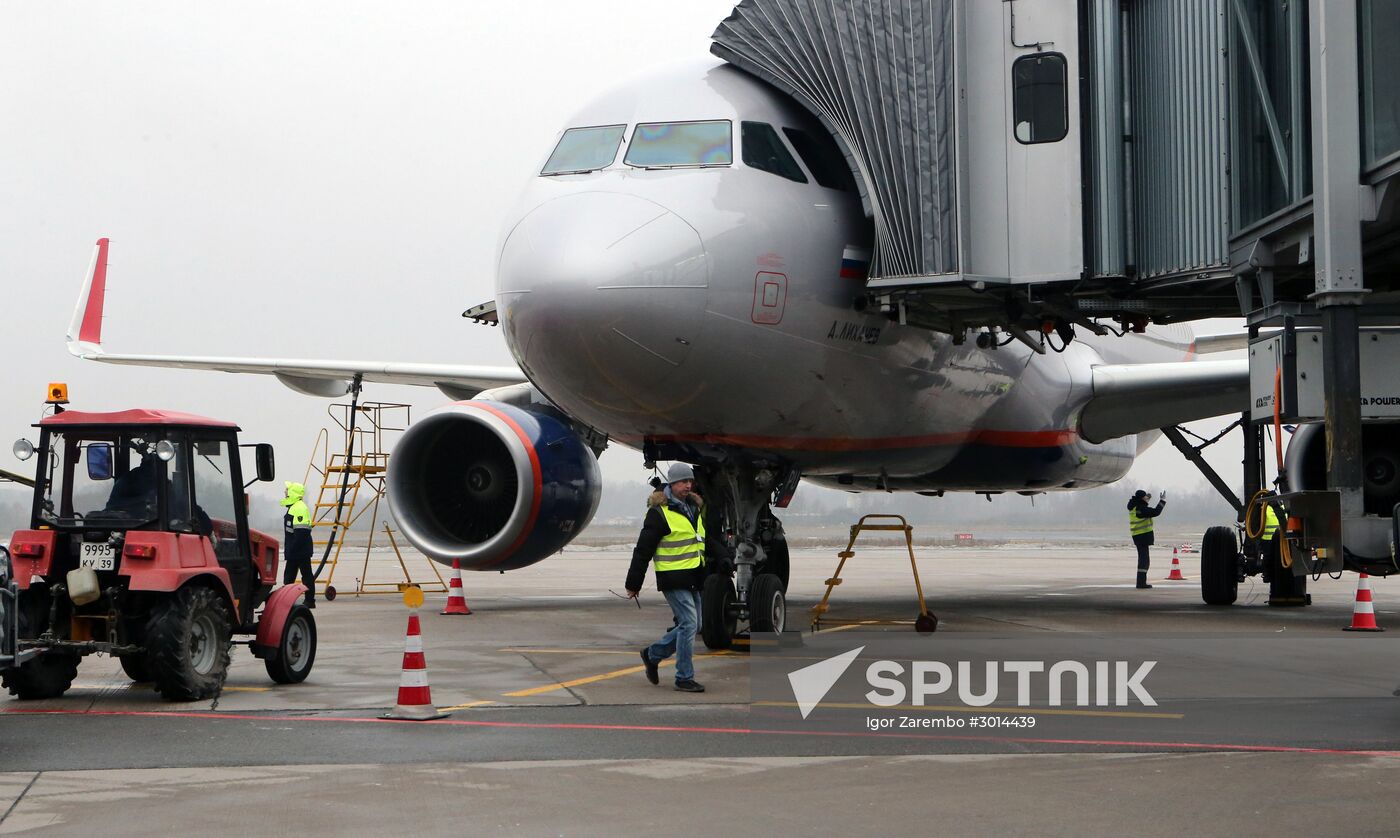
926, 622
359, 470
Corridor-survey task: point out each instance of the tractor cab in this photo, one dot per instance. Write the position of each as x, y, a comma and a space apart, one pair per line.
109, 480
139, 546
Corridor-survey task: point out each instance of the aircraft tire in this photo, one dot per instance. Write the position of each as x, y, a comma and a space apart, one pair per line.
767, 605
1219, 566
778, 562
718, 623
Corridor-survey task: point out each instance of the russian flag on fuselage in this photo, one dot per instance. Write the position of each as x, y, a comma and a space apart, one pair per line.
855, 262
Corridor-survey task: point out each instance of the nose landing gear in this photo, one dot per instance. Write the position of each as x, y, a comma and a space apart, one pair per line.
752, 585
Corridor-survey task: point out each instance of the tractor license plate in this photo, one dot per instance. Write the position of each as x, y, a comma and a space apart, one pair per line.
98, 557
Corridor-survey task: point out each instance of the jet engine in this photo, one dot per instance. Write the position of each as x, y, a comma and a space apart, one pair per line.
1306, 463
492, 485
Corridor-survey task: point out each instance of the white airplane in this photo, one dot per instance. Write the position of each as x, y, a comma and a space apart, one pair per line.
683, 277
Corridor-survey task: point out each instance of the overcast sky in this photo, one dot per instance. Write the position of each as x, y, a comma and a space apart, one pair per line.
322, 180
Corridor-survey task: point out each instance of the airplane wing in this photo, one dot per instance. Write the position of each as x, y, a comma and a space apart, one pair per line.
1131, 398
330, 379
1232, 342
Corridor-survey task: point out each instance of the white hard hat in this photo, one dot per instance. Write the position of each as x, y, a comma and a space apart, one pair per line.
679, 472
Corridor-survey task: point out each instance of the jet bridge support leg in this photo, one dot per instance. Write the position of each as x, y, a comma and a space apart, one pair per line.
1193, 454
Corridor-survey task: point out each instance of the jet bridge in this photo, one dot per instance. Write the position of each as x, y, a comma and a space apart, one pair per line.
1041, 165
1025, 161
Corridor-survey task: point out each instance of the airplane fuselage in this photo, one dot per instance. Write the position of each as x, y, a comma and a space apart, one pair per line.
710, 307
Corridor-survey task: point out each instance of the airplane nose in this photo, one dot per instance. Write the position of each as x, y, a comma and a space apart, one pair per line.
603, 291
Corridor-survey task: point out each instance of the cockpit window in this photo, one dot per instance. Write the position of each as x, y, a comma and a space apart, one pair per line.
763, 150
584, 150
823, 159
662, 144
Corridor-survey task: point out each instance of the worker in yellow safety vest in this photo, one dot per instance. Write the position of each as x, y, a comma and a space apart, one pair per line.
1268, 544
673, 541
1140, 516
296, 541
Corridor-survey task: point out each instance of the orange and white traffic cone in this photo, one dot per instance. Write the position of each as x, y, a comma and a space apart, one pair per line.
1363, 613
1176, 569
456, 602
415, 699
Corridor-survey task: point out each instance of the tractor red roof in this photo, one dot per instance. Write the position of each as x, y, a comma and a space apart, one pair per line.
133, 417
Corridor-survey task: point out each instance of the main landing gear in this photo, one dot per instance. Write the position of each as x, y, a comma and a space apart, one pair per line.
752, 585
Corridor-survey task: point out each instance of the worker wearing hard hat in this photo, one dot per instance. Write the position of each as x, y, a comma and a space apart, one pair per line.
673, 540
1140, 516
296, 543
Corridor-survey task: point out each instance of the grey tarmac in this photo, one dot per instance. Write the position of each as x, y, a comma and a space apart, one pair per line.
555, 730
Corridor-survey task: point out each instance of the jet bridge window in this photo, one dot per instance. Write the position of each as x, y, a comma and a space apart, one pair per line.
823, 159
584, 150
666, 144
1040, 103
763, 150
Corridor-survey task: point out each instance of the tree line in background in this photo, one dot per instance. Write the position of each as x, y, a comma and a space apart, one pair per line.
624, 504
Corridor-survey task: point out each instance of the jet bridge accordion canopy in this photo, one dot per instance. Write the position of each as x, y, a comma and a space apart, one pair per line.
880, 77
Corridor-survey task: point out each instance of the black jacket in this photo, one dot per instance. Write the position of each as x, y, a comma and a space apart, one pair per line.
1145, 511
655, 528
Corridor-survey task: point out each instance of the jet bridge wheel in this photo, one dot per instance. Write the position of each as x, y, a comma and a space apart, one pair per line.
719, 621
1220, 573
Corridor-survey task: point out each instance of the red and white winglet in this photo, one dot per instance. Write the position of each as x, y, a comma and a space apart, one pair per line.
85, 330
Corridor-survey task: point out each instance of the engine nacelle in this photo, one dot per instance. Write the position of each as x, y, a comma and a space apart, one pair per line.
1306, 463
491, 485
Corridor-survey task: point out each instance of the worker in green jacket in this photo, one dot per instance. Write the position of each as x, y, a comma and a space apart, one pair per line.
296, 543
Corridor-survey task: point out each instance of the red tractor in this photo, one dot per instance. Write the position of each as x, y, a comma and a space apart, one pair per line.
139, 547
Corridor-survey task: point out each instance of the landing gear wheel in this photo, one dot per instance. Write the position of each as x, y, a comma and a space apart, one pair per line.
330, 593
718, 622
777, 563
1220, 575
187, 640
767, 605
136, 667
926, 623
297, 650
47, 676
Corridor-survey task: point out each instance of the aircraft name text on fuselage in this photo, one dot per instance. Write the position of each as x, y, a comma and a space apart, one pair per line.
853, 332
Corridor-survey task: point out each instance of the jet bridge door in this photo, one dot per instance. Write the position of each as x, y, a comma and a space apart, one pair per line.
1022, 157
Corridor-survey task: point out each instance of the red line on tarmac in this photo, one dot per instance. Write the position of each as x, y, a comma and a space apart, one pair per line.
1203, 746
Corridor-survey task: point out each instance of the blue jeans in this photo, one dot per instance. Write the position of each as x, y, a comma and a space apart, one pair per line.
680, 640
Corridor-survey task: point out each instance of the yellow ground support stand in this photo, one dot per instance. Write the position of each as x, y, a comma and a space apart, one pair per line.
926, 622
361, 472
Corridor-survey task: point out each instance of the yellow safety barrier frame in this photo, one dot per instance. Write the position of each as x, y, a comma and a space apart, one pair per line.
926, 622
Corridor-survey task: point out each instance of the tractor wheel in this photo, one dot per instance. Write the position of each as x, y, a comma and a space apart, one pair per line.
767, 606
187, 643
718, 623
1220, 570
47, 676
297, 650
136, 667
